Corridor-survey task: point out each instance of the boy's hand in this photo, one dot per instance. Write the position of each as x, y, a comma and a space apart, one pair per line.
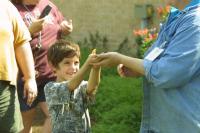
94, 51
93, 58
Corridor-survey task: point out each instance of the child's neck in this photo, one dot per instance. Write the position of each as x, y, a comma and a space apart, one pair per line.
60, 80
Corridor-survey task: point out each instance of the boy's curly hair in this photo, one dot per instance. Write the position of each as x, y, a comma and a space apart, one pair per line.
60, 50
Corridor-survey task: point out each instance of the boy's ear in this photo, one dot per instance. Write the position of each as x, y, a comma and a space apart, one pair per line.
52, 66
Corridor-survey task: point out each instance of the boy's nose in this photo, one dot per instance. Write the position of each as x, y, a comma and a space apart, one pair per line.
73, 66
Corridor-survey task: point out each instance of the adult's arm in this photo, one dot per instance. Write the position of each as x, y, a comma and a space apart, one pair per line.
180, 61
25, 60
23, 54
113, 59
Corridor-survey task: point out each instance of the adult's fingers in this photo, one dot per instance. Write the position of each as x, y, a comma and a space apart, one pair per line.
120, 70
102, 63
25, 93
102, 56
31, 97
69, 21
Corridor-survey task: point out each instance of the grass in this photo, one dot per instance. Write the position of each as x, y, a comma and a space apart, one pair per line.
118, 106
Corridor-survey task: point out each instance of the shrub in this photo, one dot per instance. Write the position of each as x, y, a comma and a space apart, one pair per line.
95, 40
118, 106
144, 38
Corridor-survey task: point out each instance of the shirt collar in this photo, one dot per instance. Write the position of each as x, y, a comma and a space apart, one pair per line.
174, 12
192, 3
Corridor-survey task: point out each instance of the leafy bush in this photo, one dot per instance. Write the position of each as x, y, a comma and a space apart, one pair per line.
144, 38
118, 106
118, 102
95, 40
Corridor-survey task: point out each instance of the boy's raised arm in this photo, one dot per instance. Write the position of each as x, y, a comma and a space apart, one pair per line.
94, 80
78, 77
94, 77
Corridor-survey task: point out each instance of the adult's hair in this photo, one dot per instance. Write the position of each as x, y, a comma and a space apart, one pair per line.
16, 1
60, 50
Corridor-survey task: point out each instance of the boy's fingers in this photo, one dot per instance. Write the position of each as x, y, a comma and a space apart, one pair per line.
94, 51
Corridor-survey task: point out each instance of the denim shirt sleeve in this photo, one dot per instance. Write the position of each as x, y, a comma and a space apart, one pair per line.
179, 62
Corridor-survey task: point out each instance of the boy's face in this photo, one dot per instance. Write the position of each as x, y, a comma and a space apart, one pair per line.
67, 68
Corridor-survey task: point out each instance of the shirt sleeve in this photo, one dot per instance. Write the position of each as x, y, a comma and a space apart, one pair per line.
20, 30
180, 61
89, 100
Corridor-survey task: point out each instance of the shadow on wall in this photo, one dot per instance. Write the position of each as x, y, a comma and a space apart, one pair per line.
102, 43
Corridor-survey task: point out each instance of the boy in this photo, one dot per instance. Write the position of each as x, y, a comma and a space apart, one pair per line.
69, 97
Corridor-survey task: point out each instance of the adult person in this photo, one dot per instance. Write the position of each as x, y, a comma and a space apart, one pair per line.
171, 71
45, 32
14, 49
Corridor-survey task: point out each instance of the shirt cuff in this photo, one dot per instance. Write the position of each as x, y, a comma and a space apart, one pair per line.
147, 67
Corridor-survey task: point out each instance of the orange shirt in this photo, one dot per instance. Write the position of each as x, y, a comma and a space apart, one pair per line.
13, 33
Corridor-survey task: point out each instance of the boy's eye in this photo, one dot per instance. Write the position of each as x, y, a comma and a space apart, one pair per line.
66, 63
76, 63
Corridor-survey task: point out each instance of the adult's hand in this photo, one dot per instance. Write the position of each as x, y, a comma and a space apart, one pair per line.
30, 90
66, 26
36, 26
124, 71
107, 59
110, 59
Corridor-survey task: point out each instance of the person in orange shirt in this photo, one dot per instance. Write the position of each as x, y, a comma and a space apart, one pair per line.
14, 49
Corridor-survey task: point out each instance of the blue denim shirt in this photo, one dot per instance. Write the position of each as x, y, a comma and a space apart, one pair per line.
172, 80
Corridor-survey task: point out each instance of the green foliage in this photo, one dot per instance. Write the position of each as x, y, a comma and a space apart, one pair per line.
118, 106
144, 47
144, 38
101, 43
118, 102
125, 48
95, 40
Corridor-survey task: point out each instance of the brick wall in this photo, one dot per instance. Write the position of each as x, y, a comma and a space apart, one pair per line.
113, 18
